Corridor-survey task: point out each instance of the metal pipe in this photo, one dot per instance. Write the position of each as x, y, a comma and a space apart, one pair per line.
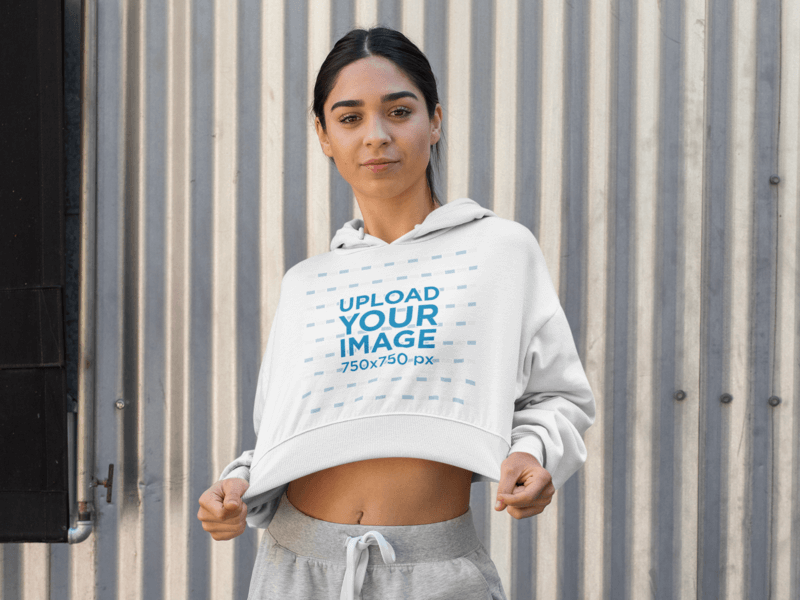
88, 275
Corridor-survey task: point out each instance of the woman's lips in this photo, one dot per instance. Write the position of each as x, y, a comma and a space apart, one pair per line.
377, 167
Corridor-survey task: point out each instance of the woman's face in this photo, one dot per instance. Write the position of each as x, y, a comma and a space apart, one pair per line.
375, 112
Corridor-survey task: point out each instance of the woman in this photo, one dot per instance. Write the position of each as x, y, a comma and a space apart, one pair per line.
426, 351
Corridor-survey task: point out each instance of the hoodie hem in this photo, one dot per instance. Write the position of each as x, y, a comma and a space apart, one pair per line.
392, 435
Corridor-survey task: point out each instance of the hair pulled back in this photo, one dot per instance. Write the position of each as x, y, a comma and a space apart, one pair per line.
394, 46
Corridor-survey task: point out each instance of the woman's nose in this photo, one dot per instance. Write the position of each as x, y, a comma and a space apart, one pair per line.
376, 134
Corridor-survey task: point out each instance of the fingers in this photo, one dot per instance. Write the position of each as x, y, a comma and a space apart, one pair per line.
222, 511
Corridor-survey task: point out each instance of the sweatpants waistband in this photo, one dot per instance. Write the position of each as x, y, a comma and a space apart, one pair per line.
433, 542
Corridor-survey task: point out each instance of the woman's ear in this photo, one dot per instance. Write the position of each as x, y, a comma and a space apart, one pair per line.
323, 138
436, 124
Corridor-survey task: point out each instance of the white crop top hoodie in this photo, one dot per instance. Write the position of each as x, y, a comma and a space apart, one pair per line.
448, 344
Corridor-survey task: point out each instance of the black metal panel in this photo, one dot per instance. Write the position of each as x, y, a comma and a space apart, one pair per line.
31, 328
33, 407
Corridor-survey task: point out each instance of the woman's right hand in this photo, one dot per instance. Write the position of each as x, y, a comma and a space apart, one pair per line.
222, 510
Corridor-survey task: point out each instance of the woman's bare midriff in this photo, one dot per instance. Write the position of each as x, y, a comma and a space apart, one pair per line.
384, 491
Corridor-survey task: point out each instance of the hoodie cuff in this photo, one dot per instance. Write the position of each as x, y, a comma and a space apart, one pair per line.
240, 472
533, 445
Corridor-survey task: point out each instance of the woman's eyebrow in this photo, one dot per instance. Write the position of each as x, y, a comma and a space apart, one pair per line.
385, 98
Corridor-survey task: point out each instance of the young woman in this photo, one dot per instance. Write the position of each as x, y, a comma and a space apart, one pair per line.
426, 351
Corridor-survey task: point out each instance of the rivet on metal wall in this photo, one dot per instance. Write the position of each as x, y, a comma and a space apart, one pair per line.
774, 180
774, 400
680, 395
726, 398
120, 404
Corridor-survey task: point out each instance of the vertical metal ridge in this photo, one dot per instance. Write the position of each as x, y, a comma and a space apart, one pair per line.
296, 132
688, 361
784, 534
550, 169
715, 309
620, 295
272, 185
413, 22
666, 285
574, 253
641, 415
594, 583
178, 283
224, 289
459, 21
503, 108
133, 273
318, 165
736, 444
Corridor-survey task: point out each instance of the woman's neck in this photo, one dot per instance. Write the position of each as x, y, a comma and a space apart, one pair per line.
391, 218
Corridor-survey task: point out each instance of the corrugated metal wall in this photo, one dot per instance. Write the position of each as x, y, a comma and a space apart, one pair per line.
636, 139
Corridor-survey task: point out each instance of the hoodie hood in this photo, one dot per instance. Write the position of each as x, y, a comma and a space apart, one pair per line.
351, 235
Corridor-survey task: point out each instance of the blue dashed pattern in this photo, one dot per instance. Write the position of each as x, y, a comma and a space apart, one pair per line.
319, 339
471, 342
359, 398
407, 397
380, 397
402, 277
314, 410
462, 287
329, 354
447, 379
373, 380
318, 373
309, 359
459, 400
328, 389
437, 256
433, 397
461, 322
309, 292
338, 405
306, 395
461, 252
396, 378
320, 306
354, 385
344, 271
473, 268
310, 325
426, 275
412, 260
449, 271
353, 285
447, 343
378, 281
333, 289
458, 360
388, 264
422, 379
469, 381
366, 267
471, 304
322, 275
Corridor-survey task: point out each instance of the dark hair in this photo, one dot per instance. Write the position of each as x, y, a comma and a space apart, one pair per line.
390, 44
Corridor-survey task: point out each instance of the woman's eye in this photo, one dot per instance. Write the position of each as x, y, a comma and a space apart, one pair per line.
346, 119
403, 111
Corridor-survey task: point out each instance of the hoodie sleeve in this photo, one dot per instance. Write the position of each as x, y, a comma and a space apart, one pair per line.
557, 406
240, 467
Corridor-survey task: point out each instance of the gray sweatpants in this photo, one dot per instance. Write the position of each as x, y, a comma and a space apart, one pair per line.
301, 557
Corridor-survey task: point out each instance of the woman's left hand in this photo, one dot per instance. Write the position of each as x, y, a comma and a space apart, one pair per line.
534, 492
